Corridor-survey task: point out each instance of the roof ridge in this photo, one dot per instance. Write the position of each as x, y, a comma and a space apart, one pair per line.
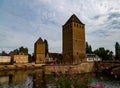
39, 40
73, 18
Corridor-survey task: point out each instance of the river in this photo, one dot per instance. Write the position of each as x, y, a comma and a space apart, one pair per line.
36, 79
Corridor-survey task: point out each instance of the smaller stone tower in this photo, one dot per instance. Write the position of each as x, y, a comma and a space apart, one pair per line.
39, 51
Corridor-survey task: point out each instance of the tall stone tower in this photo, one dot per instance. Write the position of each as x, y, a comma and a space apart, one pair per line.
39, 51
74, 41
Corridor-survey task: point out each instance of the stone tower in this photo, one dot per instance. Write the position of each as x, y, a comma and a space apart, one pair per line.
74, 41
39, 51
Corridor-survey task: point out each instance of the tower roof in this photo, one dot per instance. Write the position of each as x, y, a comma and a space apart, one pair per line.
39, 41
73, 18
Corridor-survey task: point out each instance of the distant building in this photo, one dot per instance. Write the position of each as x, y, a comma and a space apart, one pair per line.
53, 57
20, 58
5, 59
50, 58
93, 57
73, 32
39, 51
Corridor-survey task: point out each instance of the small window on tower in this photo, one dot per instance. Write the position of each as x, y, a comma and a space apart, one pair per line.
82, 26
74, 24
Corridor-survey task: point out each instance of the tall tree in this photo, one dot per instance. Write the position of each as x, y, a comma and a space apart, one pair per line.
46, 47
117, 51
88, 48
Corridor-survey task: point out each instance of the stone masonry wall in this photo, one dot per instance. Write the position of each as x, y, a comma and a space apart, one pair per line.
80, 68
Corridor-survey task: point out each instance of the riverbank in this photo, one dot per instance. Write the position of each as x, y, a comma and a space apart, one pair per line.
20, 66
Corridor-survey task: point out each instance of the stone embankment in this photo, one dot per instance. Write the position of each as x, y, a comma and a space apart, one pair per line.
84, 67
20, 66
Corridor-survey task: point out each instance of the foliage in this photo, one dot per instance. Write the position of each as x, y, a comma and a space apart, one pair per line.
3, 53
105, 54
117, 51
70, 80
65, 82
19, 50
24, 50
46, 47
88, 48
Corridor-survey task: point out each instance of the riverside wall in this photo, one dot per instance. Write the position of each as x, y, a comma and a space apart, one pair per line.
20, 66
84, 67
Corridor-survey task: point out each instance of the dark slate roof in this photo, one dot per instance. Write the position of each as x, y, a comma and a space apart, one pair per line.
73, 18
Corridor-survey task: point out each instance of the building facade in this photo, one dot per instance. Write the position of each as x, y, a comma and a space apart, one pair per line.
73, 33
39, 51
93, 57
5, 59
20, 58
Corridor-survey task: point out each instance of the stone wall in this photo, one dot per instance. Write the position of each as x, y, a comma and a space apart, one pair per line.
84, 67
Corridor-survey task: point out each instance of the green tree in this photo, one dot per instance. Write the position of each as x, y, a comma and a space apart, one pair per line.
16, 51
46, 47
117, 51
4, 53
105, 54
88, 48
24, 50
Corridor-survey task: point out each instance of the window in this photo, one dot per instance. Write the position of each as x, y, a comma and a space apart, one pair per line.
74, 24
77, 25
77, 53
80, 26
83, 27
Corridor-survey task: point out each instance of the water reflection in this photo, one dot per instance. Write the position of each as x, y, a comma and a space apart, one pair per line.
107, 83
37, 79
4, 80
19, 78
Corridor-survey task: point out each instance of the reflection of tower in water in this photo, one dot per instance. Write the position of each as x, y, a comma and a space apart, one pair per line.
22, 79
39, 80
18, 77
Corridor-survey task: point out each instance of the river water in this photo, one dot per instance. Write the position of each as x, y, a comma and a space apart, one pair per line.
36, 79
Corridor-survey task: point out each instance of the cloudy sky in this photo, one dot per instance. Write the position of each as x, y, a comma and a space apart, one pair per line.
22, 22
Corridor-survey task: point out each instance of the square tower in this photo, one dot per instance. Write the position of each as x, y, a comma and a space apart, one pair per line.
39, 51
73, 32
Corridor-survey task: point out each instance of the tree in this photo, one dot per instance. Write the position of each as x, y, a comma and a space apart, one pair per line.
88, 48
117, 51
46, 47
4, 53
24, 50
17, 51
105, 54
